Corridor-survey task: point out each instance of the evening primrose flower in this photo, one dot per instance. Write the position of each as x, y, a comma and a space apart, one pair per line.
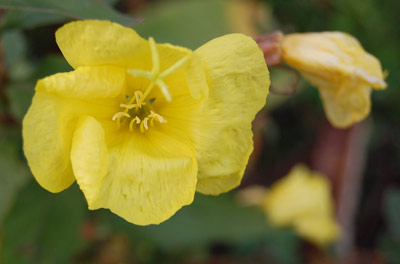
302, 199
343, 71
141, 126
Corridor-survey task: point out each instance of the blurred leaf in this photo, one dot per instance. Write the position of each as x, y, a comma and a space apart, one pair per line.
391, 249
20, 96
392, 212
15, 50
191, 23
21, 19
20, 93
390, 241
210, 220
52, 64
43, 227
207, 220
51, 11
13, 173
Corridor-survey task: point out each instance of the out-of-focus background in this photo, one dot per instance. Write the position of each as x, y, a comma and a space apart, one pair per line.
362, 162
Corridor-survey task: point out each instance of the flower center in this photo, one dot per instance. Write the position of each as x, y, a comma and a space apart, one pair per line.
137, 109
138, 113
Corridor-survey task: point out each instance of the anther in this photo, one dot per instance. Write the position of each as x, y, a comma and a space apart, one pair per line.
137, 120
120, 114
143, 125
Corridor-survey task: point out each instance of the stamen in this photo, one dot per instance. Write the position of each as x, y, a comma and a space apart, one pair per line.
139, 95
143, 125
137, 119
158, 117
128, 106
119, 115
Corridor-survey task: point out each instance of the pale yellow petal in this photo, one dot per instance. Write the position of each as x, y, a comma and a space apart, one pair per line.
238, 82
89, 157
47, 132
196, 78
100, 42
88, 83
334, 56
346, 105
150, 176
320, 231
301, 193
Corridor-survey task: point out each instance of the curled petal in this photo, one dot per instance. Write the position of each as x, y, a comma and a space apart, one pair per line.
47, 136
89, 157
333, 56
89, 83
238, 82
51, 119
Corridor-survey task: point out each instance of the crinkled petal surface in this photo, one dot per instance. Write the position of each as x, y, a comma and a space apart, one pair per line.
100, 42
51, 120
96, 82
333, 56
238, 82
144, 178
343, 71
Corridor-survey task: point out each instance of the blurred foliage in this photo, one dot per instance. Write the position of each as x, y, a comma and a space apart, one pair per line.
390, 242
33, 13
40, 227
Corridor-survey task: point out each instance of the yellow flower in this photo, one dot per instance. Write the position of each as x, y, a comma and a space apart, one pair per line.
303, 200
343, 71
141, 126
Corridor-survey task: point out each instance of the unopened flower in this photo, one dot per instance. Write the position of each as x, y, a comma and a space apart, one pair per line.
343, 71
302, 199
141, 126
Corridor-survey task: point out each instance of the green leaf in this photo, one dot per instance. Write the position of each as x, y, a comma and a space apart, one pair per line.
14, 172
15, 50
15, 19
44, 227
208, 219
20, 93
392, 212
184, 23
52, 64
52, 11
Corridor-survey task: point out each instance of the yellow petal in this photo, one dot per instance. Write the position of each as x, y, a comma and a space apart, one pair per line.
300, 194
238, 82
150, 176
346, 105
49, 124
196, 78
89, 157
85, 83
47, 133
333, 56
98, 42
319, 230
